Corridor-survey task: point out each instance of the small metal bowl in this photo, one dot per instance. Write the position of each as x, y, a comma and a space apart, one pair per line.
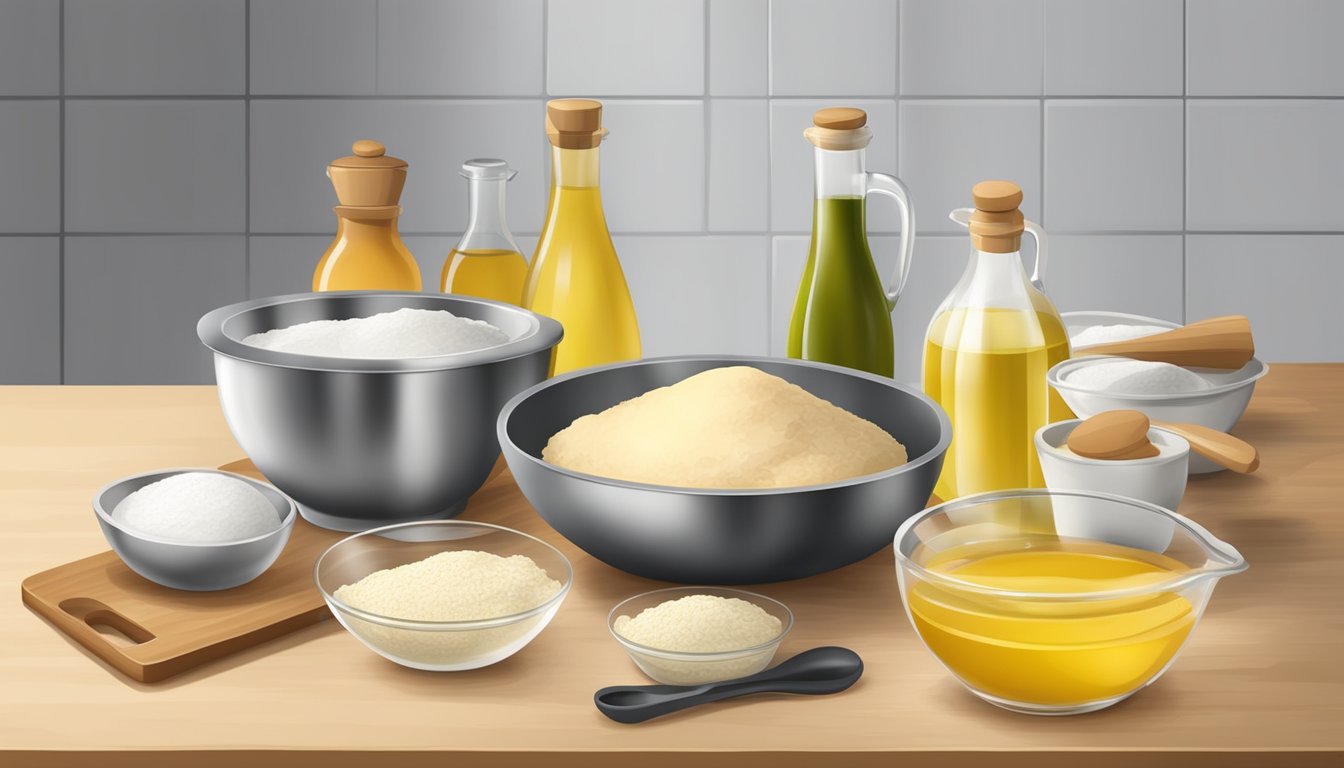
697, 668
194, 566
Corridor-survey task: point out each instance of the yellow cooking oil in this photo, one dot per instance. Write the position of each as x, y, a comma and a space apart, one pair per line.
1059, 652
986, 367
490, 273
575, 276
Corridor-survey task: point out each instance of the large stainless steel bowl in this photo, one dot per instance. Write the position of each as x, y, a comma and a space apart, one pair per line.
361, 443
724, 536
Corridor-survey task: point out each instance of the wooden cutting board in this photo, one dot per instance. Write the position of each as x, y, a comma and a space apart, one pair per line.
149, 632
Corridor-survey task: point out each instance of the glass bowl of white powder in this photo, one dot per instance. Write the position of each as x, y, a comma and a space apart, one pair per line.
696, 635
195, 529
444, 595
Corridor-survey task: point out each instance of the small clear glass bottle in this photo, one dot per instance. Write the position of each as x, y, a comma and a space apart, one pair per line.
487, 261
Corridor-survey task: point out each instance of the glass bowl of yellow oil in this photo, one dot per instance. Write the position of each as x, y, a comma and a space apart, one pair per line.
1045, 624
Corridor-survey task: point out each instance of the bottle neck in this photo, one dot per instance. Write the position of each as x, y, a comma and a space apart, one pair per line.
994, 280
839, 173
574, 167
487, 227
354, 224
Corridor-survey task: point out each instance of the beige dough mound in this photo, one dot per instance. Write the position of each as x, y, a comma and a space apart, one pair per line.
735, 427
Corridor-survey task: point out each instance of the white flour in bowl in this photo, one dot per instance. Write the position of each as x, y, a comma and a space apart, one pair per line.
198, 508
404, 333
1105, 334
1136, 377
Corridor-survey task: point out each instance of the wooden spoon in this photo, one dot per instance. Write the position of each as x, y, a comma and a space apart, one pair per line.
1219, 342
1119, 435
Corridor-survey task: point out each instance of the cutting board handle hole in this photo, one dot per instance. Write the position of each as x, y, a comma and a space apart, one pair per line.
114, 628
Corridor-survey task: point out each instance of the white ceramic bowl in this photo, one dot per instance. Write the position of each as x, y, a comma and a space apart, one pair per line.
1219, 407
1159, 480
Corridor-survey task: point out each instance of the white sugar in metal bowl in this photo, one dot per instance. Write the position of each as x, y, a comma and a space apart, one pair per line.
404, 333
197, 507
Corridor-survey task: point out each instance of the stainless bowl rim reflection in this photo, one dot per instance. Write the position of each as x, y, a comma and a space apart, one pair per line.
541, 334
1254, 371
444, 626
105, 514
1224, 559
701, 656
944, 438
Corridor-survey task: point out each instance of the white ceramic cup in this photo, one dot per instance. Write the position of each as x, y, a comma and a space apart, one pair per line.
1159, 480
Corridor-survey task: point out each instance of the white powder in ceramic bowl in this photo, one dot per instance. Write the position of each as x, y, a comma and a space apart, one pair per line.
1104, 334
198, 507
1136, 377
404, 333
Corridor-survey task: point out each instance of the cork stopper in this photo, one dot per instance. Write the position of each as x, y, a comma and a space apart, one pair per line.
996, 225
368, 178
839, 128
574, 123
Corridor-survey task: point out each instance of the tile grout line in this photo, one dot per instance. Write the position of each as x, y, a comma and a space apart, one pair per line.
688, 97
1185, 149
769, 179
247, 149
60, 253
707, 116
1045, 48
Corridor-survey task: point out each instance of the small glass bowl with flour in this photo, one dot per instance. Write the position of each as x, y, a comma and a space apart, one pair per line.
195, 529
443, 595
697, 635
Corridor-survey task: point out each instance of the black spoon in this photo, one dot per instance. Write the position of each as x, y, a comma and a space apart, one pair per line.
818, 671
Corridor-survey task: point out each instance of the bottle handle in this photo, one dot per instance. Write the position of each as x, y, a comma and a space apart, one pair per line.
892, 187
962, 216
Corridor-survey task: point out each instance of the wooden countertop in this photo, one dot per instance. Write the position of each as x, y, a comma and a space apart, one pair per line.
1263, 673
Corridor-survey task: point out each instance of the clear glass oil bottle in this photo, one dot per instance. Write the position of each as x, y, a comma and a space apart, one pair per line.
842, 313
575, 276
367, 253
486, 262
986, 354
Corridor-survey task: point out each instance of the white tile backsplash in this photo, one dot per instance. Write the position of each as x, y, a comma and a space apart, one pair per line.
30, 310
738, 47
30, 166
131, 305
155, 166
1114, 47
791, 161
625, 48
155, 47
1288, 285
1149, 137
653, 166
1114, 165
1138, 274
739, 165
833, 46
1269, 165
948, 146
313, 47
460, 47
1264, 48
971, 47
697, 295
30, 48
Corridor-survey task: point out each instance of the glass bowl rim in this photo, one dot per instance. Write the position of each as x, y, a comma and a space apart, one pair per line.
1224, 559
701, 656
1056, 377
443, 626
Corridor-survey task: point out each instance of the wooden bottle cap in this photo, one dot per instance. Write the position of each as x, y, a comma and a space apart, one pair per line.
839, 129
369, 178
574, 123
840, 118
997, 196
996, 225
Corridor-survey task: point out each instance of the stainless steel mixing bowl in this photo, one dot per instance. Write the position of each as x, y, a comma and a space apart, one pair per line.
724, 536
361, 443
